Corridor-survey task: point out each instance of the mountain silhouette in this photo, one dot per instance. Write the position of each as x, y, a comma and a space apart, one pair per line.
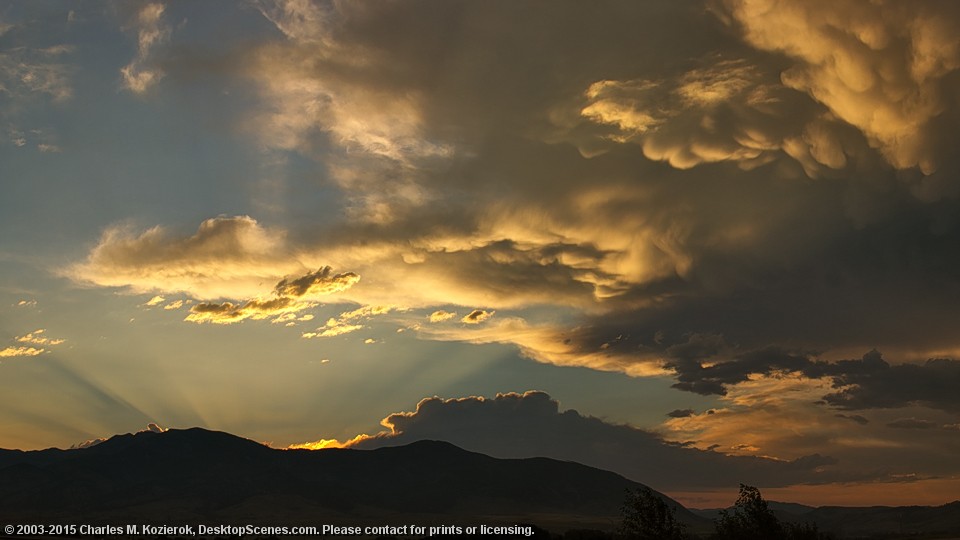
195, 475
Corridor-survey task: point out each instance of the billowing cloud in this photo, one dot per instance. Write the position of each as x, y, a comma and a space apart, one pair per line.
727, 110
139, 75
531, 424
721, 194
880, 66
153, 428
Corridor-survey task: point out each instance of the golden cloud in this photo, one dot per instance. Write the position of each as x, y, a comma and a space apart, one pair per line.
151, 31
229, 313
228, 257
441, 315
11, 352
37, 338
477, 316
317, 283
877, 65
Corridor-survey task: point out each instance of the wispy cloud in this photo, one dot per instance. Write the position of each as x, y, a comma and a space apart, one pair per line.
139, 75
12, 352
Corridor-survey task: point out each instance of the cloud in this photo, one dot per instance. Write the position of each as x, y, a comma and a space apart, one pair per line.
12, 352
872, 383
37, 338
681, 413
139, 75
880, 66
228, 257
156, 300
28, 71
726, 110
344, 324
154, 428
332, 328
912, 423
441, 315
229, 313
176, 304
531, 424
87, 443
26, 303
666, 192
548, 344
854, 418
477, 316
317, 283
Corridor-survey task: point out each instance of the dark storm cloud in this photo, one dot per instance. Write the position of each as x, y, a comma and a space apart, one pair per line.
912, 423
724, 190
872, 383
854, 418
531, 424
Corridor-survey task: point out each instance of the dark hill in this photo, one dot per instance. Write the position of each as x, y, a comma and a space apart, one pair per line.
200, 476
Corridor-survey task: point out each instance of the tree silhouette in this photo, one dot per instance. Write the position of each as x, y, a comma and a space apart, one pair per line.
646, 516
751, 519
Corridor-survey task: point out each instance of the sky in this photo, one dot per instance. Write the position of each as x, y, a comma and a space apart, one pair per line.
696, 243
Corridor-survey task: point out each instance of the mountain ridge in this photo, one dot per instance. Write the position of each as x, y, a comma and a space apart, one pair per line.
197, 474
201, 476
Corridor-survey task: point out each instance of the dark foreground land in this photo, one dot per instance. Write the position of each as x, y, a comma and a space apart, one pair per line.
196, 476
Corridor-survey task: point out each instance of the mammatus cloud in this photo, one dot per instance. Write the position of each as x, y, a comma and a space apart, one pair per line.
139, 75
727, 110
880, 66
694, 214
